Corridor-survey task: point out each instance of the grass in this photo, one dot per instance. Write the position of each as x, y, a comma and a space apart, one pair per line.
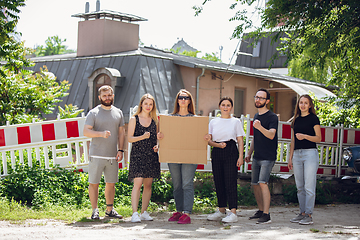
18, 213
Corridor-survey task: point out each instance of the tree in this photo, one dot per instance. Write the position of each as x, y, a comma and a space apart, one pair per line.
25, 95
11, 51
326, 31
210, 57
54, 46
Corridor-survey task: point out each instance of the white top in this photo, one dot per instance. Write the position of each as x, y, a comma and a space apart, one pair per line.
225, 129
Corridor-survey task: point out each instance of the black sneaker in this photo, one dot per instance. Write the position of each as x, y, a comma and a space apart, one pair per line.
113, 214
265, 218
95, 214
258, 214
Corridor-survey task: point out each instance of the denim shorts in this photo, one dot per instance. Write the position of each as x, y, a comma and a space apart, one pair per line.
260, 171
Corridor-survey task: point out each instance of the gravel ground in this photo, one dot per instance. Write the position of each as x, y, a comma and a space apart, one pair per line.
330, 222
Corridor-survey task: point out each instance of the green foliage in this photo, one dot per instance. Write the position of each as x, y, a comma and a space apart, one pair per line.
290, 193
69, 111
53, 46
25, 95
322, 40
336, 111
246, 196
211, 57
11, 51
38, 187
208, 56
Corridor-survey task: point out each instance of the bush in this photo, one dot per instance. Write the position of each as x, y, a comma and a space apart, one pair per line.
37, 186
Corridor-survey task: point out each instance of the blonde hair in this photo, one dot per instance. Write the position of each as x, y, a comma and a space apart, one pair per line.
153, 114
191, 106
105, 88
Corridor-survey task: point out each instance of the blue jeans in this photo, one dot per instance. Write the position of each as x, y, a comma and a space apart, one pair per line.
305, 165
183, 181
260, 171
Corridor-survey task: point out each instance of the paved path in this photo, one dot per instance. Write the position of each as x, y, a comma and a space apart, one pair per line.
332, 222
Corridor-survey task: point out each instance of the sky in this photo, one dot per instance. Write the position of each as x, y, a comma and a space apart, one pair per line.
168, 22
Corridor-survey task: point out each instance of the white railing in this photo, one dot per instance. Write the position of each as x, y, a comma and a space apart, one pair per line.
49, 144
61, 142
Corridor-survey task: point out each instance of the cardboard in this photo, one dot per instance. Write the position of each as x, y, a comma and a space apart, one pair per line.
183, 140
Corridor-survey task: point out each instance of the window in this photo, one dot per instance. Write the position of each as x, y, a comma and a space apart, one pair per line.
239, 102
256, 49
102, 79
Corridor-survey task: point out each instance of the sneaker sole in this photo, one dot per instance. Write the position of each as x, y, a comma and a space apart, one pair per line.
214, 219
146, 219
114, 217
310, 223
264, 222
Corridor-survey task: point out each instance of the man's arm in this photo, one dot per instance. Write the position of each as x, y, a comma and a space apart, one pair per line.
267, 133
89, 132
121, 141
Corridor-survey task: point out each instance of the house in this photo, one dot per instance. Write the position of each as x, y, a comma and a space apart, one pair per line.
183, 46
258, 56
108, 53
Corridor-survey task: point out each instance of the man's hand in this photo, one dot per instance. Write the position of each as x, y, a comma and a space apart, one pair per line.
257, 124
106, 134
119, 156
247, 159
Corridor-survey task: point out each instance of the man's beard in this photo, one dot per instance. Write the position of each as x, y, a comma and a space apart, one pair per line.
107, 104
260, 106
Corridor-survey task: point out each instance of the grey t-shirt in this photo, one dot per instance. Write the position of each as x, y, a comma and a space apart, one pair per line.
101, 120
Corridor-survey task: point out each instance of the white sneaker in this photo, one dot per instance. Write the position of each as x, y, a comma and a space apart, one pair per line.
216, 216
145, 216
135, 217
230, 218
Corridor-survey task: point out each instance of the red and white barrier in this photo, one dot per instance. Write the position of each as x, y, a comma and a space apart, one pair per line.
49, 135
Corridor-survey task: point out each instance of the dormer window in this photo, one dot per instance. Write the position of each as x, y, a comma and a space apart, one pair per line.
256, 50
100, 77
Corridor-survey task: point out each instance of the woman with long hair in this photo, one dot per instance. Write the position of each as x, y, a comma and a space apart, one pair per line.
226, 137
182, 174
304, 156
144, 159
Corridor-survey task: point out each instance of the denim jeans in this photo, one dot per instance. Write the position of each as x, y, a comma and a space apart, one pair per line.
183, 181
260, 171
305, 165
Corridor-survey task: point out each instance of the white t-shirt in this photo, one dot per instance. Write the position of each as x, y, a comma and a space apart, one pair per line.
225, 129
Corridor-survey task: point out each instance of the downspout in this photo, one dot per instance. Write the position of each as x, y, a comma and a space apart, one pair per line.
197, 90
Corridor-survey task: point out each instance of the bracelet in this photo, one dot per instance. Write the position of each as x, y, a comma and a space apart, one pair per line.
120, 150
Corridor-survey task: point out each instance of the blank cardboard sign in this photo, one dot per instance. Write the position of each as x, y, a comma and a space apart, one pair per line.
183, 140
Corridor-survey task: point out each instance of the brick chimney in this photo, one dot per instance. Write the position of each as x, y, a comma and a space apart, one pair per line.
104, 32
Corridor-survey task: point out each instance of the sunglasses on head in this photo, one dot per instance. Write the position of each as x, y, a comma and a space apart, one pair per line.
184, 98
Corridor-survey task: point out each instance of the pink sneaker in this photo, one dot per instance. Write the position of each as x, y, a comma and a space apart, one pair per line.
175, 217
184, 219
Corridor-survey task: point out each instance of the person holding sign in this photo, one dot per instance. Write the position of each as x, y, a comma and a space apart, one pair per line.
226, 137
144, 159
182, 174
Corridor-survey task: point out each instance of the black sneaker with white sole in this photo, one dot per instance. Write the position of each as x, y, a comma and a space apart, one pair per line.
256, 215
265, 218
95, 214
113, 214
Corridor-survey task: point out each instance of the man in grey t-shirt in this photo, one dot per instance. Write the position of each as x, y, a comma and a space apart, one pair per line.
105, 125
